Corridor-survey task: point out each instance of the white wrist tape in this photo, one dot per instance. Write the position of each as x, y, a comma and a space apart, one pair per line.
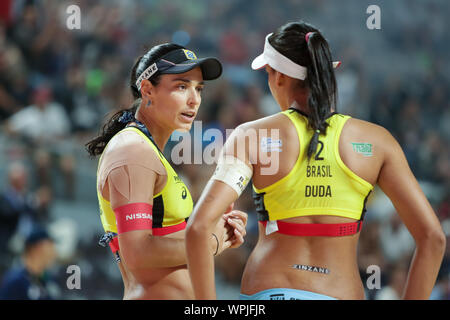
233, 172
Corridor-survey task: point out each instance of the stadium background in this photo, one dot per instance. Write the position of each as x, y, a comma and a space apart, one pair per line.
397, 76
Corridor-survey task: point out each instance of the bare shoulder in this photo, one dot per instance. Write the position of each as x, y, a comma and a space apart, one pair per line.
250, 141
276, 126
365, 126
378, 135
269, 122
130, 148
364, 147
129, 141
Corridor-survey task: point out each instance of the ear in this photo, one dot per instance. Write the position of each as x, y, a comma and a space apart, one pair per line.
280, 78
147, 91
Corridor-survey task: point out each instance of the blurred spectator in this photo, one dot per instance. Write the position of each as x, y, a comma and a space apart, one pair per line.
397, 280
20, 210
370, 255
33, 31
395, 240
45, 126
5, 10
430, 151
443, 210
43, 122
30, 280
442, 289
233, 47
247, 108
12, 82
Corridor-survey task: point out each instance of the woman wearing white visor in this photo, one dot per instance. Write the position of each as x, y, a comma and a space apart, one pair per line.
311, 208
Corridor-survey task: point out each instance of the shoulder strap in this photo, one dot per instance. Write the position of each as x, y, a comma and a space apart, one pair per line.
141, 127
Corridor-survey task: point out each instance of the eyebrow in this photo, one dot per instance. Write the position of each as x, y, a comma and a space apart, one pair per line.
187, 81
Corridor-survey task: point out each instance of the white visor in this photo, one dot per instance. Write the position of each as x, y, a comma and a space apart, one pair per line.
280, 63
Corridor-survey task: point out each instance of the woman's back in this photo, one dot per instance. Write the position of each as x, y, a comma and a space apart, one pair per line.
312, 175
355, 136
320, 264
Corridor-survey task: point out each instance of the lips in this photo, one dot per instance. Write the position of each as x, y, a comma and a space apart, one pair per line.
188, 115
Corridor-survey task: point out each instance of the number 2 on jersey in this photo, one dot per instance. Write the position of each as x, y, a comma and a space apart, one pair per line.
317, 157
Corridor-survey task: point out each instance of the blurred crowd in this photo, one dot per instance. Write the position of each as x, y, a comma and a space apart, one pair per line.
58, 85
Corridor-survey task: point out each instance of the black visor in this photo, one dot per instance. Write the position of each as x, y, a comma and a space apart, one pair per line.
181, 61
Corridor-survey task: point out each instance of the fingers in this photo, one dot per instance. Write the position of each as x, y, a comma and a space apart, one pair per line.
237, 214
238, 240
226, 244
233, 242
237, 225
234, 221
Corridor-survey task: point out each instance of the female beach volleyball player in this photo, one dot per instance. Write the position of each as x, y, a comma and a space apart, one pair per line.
311, 209
144, 204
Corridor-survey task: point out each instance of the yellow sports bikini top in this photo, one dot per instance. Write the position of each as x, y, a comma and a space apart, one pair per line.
171, 206
322, 186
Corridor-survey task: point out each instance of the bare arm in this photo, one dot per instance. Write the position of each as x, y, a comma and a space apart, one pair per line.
399, 184
139, 248
216, 197
208, 211
128, 173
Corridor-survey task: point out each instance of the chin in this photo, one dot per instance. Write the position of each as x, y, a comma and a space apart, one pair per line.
184, 128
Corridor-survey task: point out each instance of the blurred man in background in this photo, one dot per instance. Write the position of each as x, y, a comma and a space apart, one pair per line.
45, 127
19, 211
30, 281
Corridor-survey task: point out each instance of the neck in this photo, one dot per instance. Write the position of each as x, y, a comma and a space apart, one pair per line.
299, 106
302, 107
159, 133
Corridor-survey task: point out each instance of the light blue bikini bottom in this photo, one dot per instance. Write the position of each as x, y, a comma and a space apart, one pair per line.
285, 294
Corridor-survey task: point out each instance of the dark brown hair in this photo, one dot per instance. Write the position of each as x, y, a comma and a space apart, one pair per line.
315, 55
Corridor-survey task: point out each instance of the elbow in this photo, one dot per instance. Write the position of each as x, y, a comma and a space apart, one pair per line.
194, 231
441, 240
132, 260
196, 235
435, 240
196, 227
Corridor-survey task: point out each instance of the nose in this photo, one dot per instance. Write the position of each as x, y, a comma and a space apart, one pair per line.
194, 98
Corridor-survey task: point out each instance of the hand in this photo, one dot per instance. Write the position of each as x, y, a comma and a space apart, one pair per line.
236, 223
221, 235
230, 230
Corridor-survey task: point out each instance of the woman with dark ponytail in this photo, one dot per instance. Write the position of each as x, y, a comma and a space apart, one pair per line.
311, 208
144, 205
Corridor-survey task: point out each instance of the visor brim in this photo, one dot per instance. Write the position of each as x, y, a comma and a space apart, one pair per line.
259, 62
211, 68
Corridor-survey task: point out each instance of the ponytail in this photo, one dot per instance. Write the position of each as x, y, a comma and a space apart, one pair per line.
321, 82
303, 44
